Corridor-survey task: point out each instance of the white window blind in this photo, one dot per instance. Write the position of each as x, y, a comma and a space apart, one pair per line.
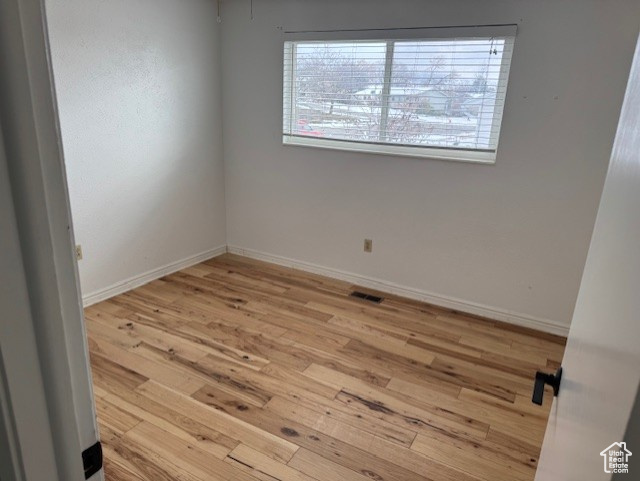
423, 94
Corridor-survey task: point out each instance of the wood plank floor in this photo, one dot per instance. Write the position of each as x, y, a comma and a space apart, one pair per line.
240, 370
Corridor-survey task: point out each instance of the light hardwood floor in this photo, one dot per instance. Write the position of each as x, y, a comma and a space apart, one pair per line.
240, 370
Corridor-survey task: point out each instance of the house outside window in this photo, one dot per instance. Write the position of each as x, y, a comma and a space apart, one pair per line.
437, 93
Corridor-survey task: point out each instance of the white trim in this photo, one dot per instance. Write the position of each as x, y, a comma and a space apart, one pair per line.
38, 184
468, 31
386, 91
457, 155
152, 275
498, 314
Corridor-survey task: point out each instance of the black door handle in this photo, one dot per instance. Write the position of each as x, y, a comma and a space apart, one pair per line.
543, 378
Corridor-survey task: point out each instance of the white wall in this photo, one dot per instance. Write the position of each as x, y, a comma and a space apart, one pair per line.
138, 86
513, 236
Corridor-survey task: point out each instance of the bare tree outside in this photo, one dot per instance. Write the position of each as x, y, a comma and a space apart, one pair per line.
332, 77
432, 93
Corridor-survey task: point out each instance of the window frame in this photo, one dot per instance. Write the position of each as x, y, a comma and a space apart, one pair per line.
482, 156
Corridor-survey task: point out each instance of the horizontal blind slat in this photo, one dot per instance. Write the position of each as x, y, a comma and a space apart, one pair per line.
444, 93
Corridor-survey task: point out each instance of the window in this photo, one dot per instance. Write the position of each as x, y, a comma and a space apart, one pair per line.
419, 92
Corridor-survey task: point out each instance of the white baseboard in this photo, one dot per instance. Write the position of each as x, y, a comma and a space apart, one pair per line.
523, 320
137, 281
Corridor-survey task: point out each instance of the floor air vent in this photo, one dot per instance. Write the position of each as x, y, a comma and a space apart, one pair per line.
366, 297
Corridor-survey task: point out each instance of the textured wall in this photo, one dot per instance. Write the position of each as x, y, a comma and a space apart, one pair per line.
511, 236
138, 85
140, 100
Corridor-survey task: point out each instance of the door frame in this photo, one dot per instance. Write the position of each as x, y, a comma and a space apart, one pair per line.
34, 178
24, 418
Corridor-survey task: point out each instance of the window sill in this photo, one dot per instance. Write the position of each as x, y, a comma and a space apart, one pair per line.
469, 156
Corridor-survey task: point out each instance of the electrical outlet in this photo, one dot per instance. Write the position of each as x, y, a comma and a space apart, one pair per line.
368, 245
79, 252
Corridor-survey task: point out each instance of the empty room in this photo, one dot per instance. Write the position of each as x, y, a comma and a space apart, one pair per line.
319, 240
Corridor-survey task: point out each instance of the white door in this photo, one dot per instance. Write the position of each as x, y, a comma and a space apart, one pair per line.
602, 358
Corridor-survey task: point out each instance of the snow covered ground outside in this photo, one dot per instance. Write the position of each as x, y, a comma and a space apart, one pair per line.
361, 123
